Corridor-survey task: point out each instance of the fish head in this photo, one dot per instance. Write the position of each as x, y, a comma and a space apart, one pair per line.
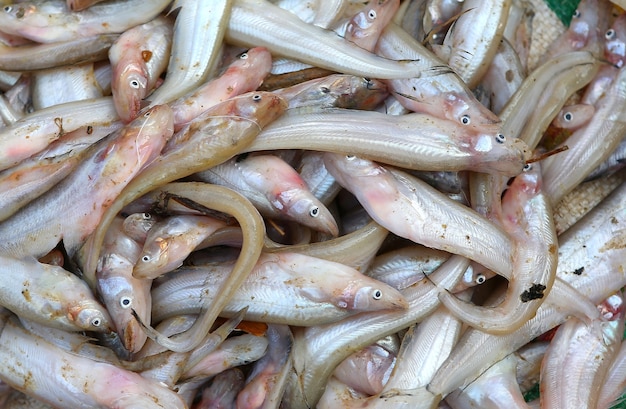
466, 110
496, 153
129, 88
153, 258
151, 129
123, 295
259, 106
91, 316
301, 205
376, 297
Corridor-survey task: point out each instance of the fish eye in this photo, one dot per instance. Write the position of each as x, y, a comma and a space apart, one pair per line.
527, 167
350, 157
8, 9
256, 98
576, 14
480, 278
500, 138
126, 302
371, 14
568, 116
610, 34
145, 258
146, 216
96, 322
147, 114
465, 119
134, 84
377, 295
325, 90
243, 56
314, 212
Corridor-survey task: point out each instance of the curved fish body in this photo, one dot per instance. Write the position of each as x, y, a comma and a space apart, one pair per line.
139, 56
275, 188
325, 291
85, 195
217, 135
589, 261
52, 21
588, 146
527, 216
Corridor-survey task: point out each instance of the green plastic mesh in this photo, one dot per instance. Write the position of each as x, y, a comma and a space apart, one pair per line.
564, 9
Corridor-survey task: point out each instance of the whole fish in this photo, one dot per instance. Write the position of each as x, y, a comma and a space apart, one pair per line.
52, 21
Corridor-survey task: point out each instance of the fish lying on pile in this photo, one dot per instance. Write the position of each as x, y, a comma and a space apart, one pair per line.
254, 203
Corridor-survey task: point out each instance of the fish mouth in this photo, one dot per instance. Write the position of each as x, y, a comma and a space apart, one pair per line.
133, 336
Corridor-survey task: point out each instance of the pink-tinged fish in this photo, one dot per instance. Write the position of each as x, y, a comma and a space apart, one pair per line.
264, 379
588, 26
412, 209
87, 192
367, 370
275, 188
243, 75
527, 217
443, 95
66, 379
364, 28
52, 21
36, 131
138, 57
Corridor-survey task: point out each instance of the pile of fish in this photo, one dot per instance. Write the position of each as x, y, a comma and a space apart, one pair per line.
331, 204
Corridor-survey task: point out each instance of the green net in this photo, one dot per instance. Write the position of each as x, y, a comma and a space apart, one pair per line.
564, 9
